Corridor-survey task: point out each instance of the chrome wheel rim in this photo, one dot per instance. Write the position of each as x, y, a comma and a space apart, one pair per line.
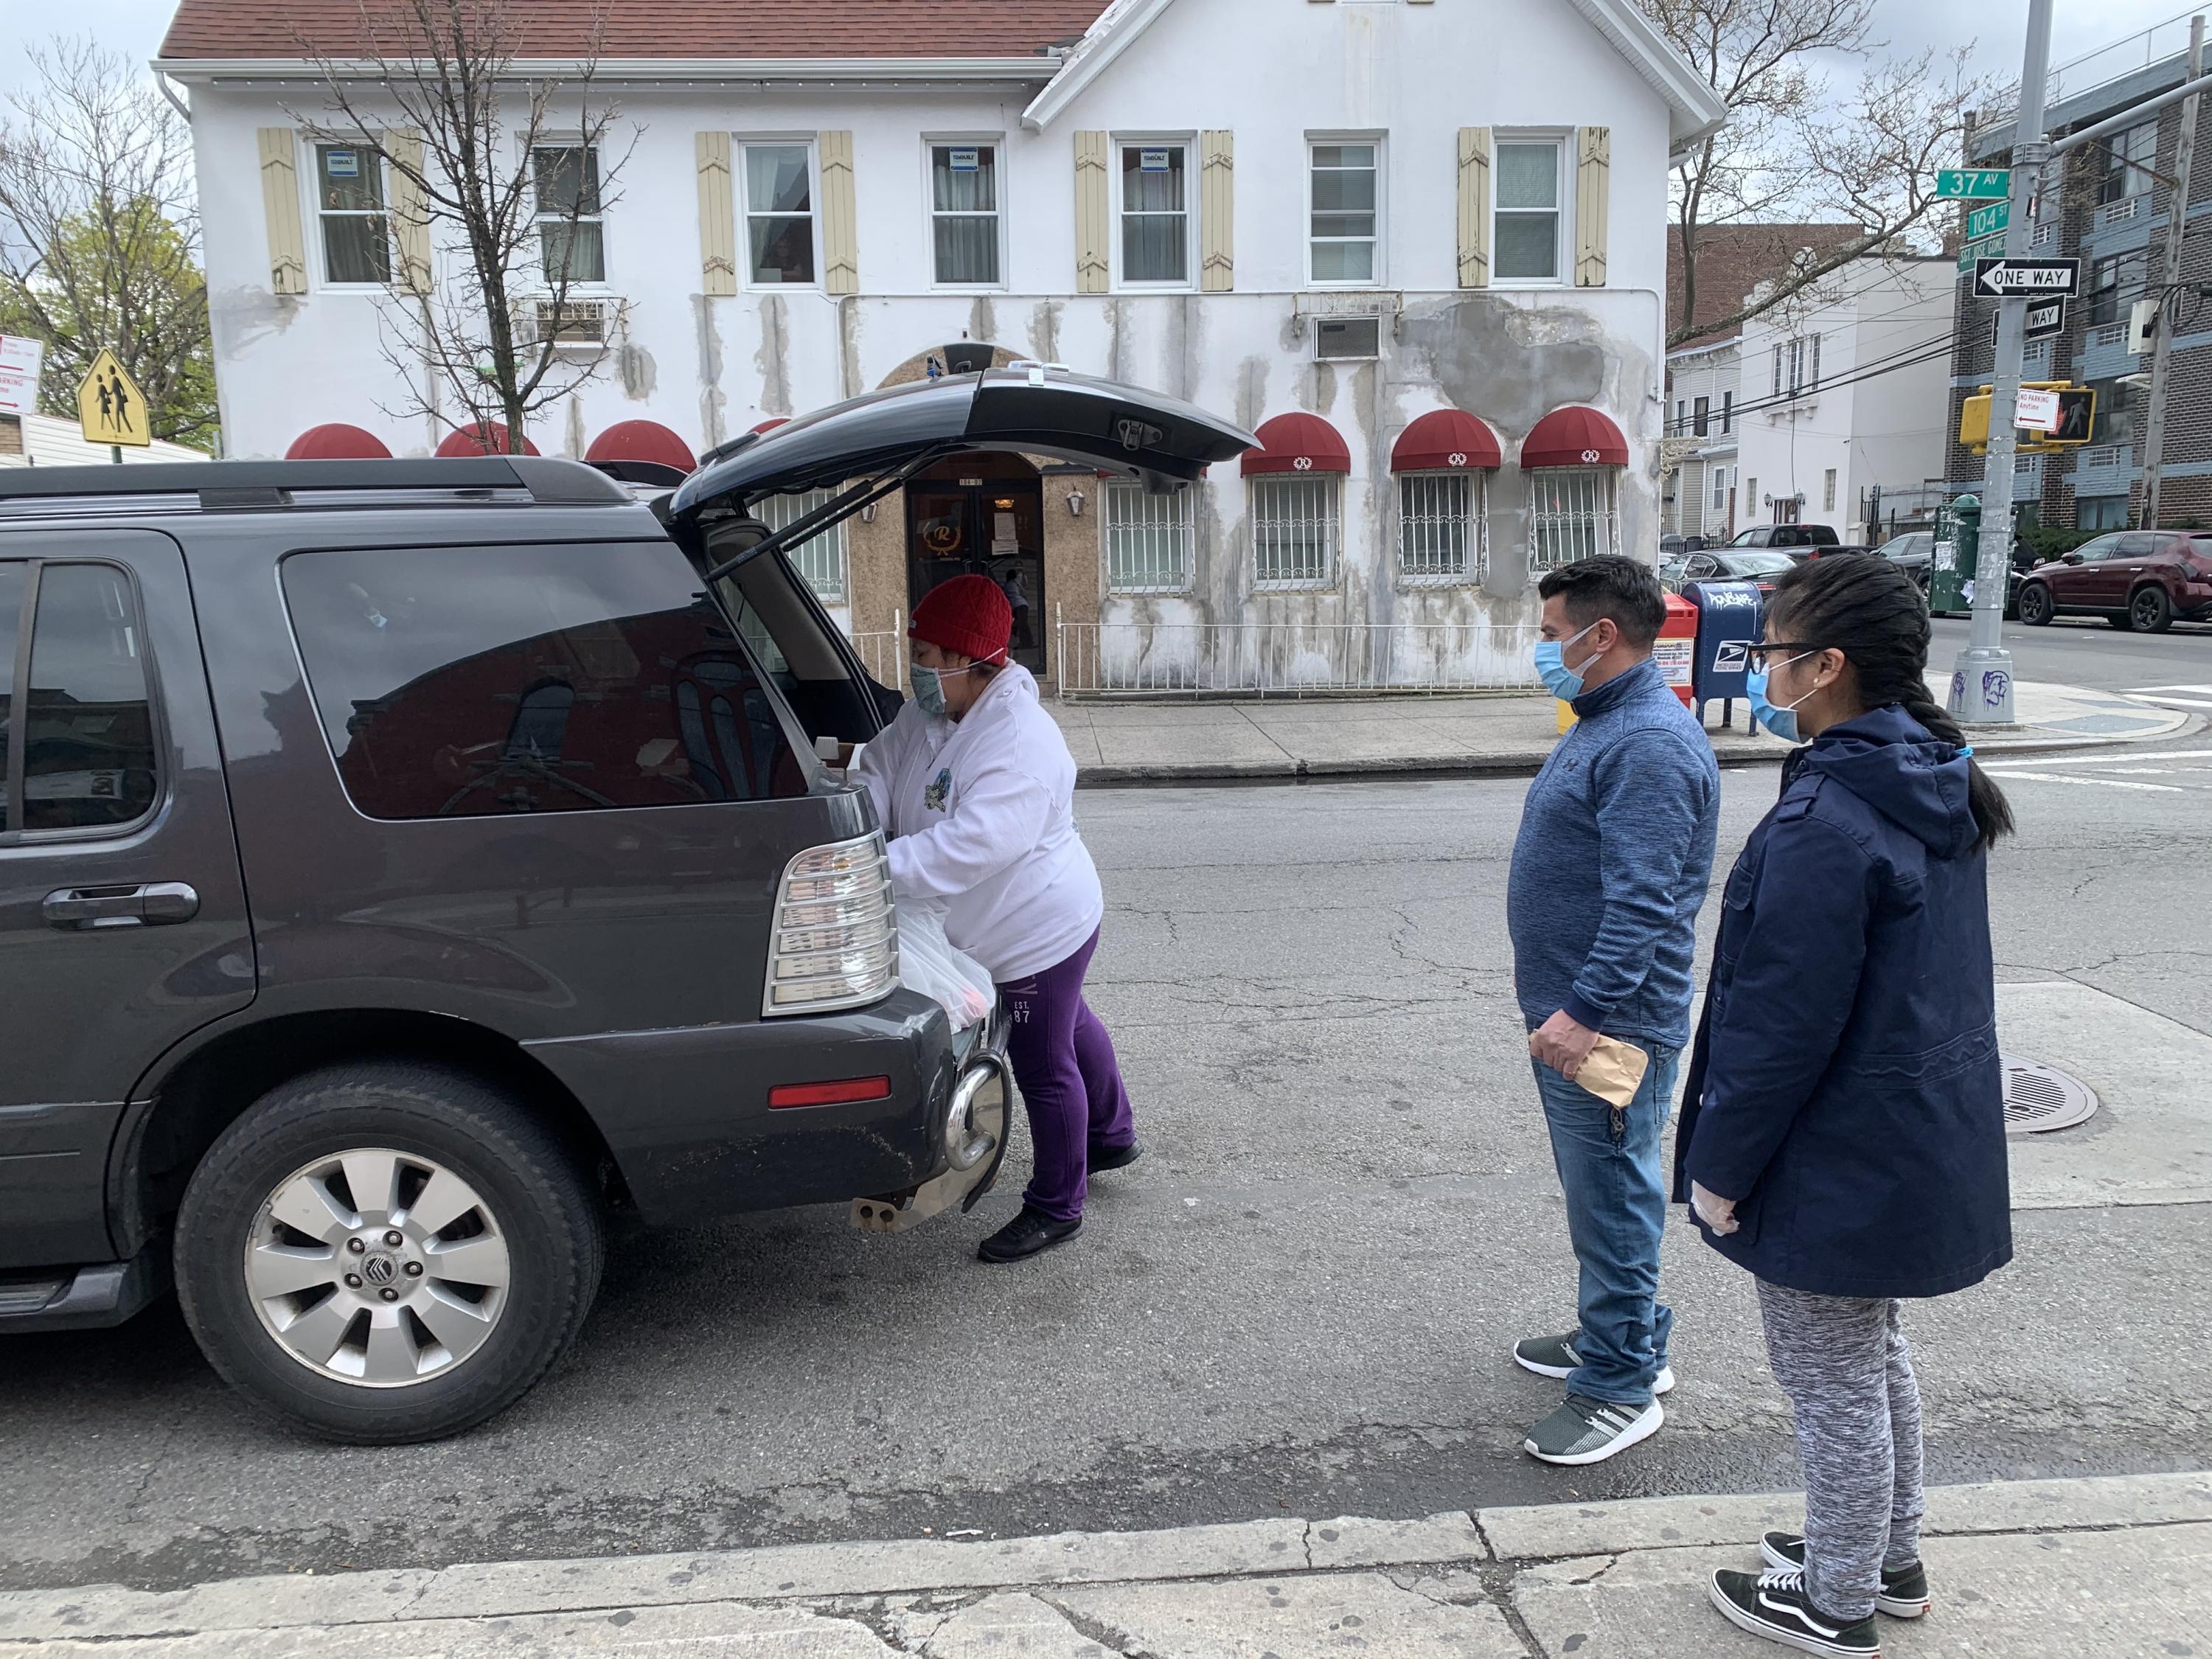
377, 1267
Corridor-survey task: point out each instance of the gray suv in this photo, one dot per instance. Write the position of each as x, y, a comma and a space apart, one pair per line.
405, 864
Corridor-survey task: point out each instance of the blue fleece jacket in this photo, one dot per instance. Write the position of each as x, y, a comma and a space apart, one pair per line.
1615, 851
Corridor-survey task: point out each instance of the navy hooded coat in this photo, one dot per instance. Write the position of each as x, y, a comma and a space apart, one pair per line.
1845, 1088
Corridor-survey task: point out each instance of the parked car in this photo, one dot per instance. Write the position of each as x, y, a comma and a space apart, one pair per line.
1913, 551
1726, 564
2137, 579
1811, 539
407, 864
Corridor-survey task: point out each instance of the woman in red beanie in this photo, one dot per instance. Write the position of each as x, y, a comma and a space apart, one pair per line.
976, 787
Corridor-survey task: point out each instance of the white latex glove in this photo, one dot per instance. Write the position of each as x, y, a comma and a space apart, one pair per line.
1717, 1212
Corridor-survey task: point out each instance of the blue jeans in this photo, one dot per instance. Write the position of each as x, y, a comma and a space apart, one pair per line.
1608, 1164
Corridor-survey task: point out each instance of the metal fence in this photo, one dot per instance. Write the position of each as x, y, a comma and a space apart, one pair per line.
1291, 659
883, 655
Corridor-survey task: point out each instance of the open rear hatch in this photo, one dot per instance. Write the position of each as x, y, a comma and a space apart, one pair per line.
866, 449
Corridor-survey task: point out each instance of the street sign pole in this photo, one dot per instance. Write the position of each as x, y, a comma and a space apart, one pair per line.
1981, 684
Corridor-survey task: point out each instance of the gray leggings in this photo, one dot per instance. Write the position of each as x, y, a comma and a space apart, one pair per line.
1843, 1362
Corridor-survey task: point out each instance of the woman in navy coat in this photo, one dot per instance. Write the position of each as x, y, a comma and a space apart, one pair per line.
1843, 1124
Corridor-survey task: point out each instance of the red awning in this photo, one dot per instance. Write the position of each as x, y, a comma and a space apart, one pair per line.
1444, 440
1576, 435
643, 440
337, 441
1296, 443
485, 438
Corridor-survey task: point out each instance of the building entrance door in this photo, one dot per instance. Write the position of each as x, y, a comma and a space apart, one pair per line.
984, 514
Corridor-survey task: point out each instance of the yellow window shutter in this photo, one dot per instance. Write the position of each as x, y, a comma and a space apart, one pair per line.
1216, 211
1474, 206
1593, 180
410, 224
841, 234
717, 226
280, 209
1092, 269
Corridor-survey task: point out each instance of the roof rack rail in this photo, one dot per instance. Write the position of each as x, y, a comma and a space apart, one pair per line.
233, 485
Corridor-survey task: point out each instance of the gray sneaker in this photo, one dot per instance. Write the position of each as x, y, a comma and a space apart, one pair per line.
1556, 1357
1586, 1430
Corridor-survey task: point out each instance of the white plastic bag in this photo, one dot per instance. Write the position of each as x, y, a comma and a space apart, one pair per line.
929, 964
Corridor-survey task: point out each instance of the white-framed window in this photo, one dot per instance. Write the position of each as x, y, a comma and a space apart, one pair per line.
1527, 217
1701, 417
351, 210
780, 213
1153, 182
821, 557
1344, 200
1720, 488
571, 242
1294, 528
1797, 366
967, 224
1444, 526
1571, 516
1728, 412
1148, 540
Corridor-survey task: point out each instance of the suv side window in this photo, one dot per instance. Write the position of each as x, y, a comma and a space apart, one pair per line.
77, 716
470, 682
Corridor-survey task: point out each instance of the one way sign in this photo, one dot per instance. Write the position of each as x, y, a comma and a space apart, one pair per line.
1996, 279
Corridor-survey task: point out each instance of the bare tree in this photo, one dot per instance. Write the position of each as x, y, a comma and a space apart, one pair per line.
100, 235
499, 181
1796, 145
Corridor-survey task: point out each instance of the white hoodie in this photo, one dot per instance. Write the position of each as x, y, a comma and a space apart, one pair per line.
982, 818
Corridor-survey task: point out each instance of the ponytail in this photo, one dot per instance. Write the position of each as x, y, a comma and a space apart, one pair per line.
1868, 609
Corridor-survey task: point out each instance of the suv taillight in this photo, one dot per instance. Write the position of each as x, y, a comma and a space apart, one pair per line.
835, 943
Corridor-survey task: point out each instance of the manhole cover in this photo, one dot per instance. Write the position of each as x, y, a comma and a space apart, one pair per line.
2039, 1097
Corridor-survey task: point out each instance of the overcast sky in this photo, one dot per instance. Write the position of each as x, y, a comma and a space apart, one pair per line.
134, 27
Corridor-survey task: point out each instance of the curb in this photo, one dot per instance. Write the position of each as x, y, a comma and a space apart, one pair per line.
1270, 1549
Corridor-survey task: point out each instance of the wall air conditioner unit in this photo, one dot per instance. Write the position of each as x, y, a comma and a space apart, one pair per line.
1341, 338
582, 324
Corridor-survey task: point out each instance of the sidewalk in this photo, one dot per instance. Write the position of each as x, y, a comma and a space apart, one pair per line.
1502, 735
2089, 1569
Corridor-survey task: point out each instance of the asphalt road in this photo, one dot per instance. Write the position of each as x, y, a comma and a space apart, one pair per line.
1300, 1301
2087, 651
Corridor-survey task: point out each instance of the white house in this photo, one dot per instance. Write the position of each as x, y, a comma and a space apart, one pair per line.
1703, 382
1846, 394
49, 440
1419, 244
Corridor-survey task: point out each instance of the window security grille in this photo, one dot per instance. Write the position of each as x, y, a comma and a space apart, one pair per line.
1294, 529
820, 559
1441, 527
1147, 540
1571, 516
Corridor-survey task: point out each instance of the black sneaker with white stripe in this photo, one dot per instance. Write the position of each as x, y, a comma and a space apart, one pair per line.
1773, 1604
1904, 1593
1586, 1430
1557, 1356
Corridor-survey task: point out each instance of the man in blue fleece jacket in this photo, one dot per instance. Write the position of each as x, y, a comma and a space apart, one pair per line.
1615, 850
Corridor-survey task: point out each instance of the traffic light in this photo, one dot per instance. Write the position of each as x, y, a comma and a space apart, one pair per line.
2077, 419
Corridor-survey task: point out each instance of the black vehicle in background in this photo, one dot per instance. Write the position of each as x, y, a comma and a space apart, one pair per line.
404, 865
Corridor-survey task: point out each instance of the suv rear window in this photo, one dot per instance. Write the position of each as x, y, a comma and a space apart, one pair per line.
475, 680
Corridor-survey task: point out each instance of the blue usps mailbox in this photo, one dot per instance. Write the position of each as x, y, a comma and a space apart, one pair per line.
1730, 616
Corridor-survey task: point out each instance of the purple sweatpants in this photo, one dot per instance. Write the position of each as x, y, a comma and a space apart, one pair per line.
1064, 1061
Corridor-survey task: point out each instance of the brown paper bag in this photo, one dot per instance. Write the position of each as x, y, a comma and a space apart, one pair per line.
1615, 1070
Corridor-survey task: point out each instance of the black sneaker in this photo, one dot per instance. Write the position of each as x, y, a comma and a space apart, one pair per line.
1556, 1357
1025, 1235
1113, 1157
1903, 1595
1586, 1430
1772, 1604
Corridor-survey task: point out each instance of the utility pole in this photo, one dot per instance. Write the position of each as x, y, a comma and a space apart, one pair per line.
2177, 211
1981, 684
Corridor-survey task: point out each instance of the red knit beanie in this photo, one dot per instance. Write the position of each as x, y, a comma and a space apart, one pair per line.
968, 614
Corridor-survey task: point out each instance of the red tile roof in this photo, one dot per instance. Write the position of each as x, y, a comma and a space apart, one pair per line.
657, 29
1733, 259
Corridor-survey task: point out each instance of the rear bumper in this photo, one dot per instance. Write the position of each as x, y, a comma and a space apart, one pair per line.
686, 1113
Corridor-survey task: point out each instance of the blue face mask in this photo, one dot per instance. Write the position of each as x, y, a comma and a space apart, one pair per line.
1562, 682
1783, 722
929, 688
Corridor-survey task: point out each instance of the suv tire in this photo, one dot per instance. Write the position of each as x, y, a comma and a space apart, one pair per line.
2036, 608
2149, 611
505, 1281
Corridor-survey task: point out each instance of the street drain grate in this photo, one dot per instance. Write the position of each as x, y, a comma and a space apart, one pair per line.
2039, 1097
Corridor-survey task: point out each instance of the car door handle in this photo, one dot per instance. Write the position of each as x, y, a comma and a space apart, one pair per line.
151, 905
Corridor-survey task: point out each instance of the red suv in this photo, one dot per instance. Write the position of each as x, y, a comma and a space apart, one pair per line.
2137, 579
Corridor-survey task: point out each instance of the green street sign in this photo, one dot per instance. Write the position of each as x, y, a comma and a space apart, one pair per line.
1973, 184
1988, 221
1988, 248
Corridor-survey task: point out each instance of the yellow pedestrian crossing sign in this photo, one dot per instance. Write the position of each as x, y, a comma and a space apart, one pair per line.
110, 406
